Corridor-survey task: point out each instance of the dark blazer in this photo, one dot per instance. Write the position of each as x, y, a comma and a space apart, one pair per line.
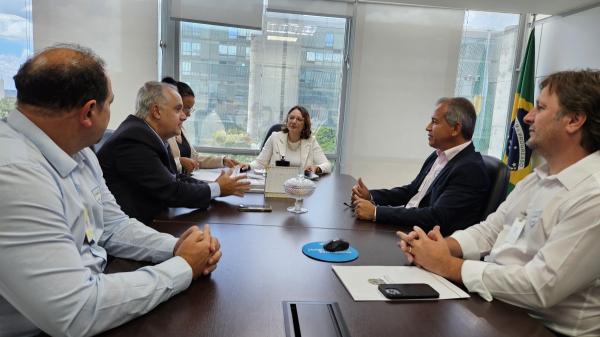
455, 200
141, 173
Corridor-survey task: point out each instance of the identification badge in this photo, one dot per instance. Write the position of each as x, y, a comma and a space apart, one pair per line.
534, 218
89, 229
516, 229
97, 194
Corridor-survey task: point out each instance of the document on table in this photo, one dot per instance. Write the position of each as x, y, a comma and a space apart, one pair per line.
276, 176
257, 181
208, 175
362, 281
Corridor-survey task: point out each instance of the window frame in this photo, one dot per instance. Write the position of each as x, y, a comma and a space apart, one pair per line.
174, 50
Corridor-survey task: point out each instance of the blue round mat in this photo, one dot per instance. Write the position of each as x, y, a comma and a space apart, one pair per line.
315, 251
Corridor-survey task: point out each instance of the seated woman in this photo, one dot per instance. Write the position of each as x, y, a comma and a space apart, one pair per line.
186, 157
295, 144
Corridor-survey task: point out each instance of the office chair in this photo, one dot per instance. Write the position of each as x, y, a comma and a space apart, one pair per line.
107, 133
273, 128
499, 174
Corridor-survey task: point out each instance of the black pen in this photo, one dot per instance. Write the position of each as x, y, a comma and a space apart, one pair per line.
349, 205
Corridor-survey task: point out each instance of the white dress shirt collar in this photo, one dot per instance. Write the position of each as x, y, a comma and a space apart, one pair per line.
59, 159
574, 174
452, 152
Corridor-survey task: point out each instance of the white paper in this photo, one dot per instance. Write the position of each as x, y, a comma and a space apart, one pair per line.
362, 281
257, 182
276, 176
208, 175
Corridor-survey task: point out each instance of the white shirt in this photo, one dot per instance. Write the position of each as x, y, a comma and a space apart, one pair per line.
58, 221
308, 153
443, 157
551, 266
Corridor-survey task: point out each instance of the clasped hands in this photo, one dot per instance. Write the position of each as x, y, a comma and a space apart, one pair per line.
363, 206
430, 251
199, 249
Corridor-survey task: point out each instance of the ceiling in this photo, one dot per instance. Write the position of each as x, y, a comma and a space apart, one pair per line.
552, 7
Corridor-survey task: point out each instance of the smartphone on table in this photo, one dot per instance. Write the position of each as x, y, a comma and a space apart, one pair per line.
254, 208
408, 291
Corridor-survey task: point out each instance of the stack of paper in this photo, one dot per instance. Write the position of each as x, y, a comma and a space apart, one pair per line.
362, 281
257, 181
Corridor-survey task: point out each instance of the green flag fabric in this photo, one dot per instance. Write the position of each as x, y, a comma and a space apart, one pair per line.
518, 154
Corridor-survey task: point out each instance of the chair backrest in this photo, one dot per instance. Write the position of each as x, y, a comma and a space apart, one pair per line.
273, 128
499, 175
107, 133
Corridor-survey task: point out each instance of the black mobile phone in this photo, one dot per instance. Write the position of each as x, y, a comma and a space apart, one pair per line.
255, 208
408, 291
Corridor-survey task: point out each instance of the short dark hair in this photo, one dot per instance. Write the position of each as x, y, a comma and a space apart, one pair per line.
579, 92
306, 131
62, 85
460, 110
183, 88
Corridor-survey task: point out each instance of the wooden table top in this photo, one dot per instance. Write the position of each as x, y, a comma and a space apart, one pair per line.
263, 265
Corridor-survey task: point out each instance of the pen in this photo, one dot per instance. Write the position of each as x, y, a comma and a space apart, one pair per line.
349, 205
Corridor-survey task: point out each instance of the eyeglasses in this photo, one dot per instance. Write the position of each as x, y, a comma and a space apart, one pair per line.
189, 110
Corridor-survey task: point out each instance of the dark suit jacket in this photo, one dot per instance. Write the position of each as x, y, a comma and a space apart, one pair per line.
455, 200
141, 173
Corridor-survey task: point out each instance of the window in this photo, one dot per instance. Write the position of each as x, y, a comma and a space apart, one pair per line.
247, 80
231, 50
186, 48
16, 44
195, 48
186, 68
233, 33
329, 40
485, 72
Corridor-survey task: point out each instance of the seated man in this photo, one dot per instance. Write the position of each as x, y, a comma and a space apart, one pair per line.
451, 189
58, 220
541, 245
139, 169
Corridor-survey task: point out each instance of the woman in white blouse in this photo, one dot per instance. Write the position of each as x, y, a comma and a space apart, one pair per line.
294, 143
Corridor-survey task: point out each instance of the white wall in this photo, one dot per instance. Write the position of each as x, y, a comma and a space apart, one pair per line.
566, 43
123, 33
404, 59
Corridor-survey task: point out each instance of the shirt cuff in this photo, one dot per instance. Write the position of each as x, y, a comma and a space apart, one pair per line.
166, 249
375, 214
179, 272
468, 245
215, 190
472, 277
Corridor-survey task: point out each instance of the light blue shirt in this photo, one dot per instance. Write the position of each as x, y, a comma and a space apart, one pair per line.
58, 221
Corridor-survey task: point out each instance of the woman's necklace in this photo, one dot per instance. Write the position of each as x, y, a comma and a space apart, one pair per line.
293, 145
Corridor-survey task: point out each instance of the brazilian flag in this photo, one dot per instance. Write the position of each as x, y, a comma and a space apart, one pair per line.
518, 154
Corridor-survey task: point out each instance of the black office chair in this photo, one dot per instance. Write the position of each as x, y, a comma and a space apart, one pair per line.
274, 128
107, 133
499, 174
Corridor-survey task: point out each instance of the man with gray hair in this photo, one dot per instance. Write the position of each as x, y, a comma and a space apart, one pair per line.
58, 220
139, 168
452, 186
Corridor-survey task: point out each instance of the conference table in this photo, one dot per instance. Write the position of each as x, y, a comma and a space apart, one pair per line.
263, 266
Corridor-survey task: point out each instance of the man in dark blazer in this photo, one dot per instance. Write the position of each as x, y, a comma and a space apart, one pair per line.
139, 168
452, 187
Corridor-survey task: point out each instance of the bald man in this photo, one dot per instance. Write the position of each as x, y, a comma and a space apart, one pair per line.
59, 221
